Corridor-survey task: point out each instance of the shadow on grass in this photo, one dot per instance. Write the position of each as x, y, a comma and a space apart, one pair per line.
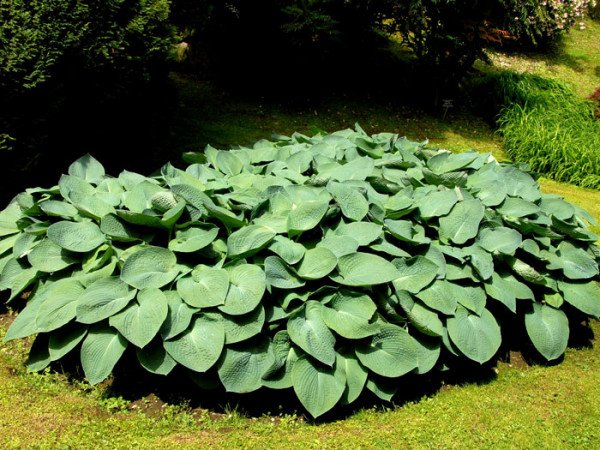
553, 54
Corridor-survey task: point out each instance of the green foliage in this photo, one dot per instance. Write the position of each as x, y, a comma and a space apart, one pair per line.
114, 39
545, 125
537, 24
71, 67
261, 267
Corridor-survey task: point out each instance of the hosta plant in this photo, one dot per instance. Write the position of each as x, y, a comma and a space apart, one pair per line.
328, 264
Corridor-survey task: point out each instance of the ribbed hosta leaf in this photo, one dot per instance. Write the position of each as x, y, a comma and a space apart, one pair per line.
318, 387
247, 284
391, 352
462, 224
100, 351
200, 346
309, 332
76, 236
365, 269
241, 367
477, 336
141, 320
548, 329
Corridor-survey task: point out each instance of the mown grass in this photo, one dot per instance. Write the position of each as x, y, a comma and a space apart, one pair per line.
541, 407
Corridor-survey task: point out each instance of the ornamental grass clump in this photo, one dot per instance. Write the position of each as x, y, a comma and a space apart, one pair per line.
545, 125
328, 264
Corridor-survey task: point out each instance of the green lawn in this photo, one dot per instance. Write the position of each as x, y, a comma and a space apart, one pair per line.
521, 406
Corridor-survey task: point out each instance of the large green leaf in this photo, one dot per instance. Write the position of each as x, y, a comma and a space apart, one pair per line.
501, 240
150, 267
193, 238
477, 336
100, 351
517, 207
317, 263
291, 252
414, 273
247, 286
356, 375
241, 368
420, 316
59, 305
241, 328
357, 169
17, 276
439, 296
365, 269
206, 287
349, 313
280, 275
65, 339
102, 299
141, 320
200, 200
76, 236
309, 332
463, 221
363, 232
279, 376
445, 161
120, 230
318, 387
352, 203
583, 296
49, 257
500, 290
306, 215
200, 346
155, 359
575, 262
471, 297
178, 318
548, 329
248, 240
24, 325
428, 352
88, 168
384, 388
437, 203
59, 208
339, 245
391, 352
9, 217
39, 355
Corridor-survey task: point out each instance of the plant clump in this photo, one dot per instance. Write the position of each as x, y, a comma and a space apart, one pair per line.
545, 125
328, 264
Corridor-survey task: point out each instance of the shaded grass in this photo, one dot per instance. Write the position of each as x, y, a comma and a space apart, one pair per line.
576, 61
209, 116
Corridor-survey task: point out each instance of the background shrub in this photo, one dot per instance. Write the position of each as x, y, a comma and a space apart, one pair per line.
328, 264
72, 70
537, 24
